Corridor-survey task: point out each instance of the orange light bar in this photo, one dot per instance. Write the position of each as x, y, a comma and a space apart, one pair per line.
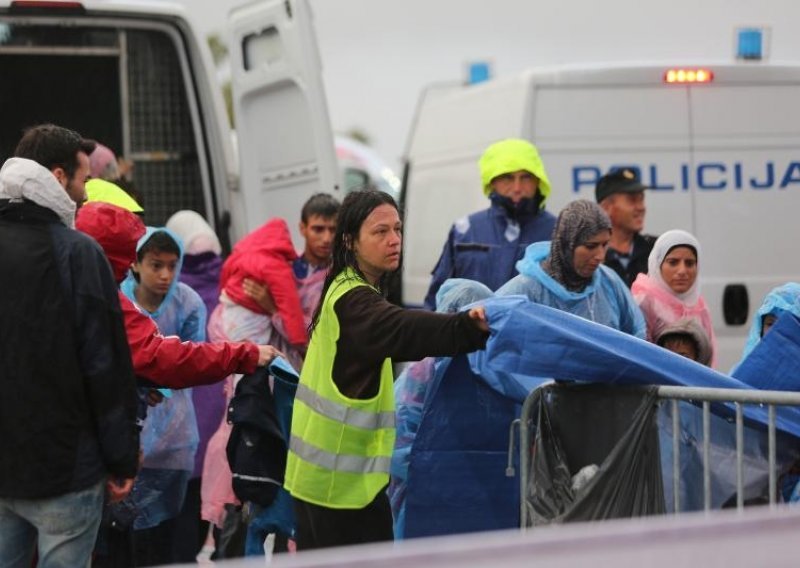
688, 76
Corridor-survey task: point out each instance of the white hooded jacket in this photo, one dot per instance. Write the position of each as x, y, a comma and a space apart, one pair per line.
21, 178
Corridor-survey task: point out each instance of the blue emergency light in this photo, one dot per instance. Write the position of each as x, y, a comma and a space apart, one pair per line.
479, 71
750, 44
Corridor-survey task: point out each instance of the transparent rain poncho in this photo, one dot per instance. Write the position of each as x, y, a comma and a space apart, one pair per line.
169, 437
605, 300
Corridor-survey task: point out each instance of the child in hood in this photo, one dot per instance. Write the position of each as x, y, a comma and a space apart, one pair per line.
169, 436
266, 255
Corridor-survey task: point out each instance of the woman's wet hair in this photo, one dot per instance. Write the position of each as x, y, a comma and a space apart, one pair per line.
355, 208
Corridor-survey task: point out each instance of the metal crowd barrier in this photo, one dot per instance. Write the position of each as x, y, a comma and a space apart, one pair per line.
675, 394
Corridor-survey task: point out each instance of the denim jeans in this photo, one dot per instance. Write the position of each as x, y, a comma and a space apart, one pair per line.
66, 527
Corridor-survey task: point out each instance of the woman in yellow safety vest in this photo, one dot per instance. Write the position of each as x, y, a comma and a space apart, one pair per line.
343, 423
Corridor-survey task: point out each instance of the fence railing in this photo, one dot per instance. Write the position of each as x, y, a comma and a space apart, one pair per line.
737, 397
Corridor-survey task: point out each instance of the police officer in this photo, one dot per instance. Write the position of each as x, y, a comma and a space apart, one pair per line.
621, 195
486, 245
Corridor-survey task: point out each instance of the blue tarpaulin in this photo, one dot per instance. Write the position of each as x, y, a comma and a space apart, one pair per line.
456, 473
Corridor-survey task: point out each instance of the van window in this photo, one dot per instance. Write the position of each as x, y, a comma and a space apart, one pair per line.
355, 179
121, 86
264, 48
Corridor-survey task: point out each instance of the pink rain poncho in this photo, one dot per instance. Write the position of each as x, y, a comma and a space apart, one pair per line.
233, 322
660, 305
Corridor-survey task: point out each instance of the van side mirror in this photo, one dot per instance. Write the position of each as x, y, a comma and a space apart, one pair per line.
735, 304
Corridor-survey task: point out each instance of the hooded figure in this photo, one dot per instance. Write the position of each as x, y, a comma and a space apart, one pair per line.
784, 298
107, 192
486, 245
164, 361
548, 273
169, 436
686, 327
265, 255
202, 263
411, 391
660, 304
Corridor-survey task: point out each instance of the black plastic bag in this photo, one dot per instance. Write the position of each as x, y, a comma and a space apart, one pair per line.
611, 427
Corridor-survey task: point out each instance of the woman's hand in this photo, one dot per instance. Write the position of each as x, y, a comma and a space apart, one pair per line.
478, 317
266, 353
260, 293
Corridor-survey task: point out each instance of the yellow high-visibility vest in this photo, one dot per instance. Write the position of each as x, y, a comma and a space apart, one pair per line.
340, 447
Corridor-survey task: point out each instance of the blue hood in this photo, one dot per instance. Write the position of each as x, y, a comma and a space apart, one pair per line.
129, 284
531, 266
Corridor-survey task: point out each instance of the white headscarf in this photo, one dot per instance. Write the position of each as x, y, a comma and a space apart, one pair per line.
21, 178
661, 248
197, 235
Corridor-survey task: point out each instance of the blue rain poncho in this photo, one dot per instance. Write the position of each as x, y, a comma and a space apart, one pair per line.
169, 437
605, 300
411, 392
785, 298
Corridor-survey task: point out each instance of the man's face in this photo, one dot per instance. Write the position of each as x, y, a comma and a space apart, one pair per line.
318, 232
626, 211
75, 186
516, 185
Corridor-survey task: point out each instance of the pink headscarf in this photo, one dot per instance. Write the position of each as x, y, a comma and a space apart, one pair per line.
660, 305
99, 159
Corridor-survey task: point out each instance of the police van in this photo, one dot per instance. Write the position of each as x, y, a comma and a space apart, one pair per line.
137, 77
719, 145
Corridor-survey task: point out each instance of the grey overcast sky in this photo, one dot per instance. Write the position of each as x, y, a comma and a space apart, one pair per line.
379, 54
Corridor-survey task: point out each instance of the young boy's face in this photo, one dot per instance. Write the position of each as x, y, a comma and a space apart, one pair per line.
318, 232
157, 271
682, 346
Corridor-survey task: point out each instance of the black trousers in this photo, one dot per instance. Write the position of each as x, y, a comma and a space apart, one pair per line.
322, 527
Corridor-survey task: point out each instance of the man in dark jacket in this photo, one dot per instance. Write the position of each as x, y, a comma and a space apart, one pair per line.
621, 195
68, 410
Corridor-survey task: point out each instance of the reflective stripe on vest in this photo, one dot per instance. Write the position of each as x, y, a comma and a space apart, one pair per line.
343, 413
338, 462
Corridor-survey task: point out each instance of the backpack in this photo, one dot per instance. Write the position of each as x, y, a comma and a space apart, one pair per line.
257, 446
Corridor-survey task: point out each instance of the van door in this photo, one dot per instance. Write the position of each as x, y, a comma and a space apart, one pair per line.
284, 133
746, 178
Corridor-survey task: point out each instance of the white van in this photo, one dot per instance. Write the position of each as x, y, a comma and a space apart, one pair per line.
137, 77
722, 154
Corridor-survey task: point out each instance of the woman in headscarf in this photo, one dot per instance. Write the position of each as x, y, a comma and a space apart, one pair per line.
568, 274
670, 291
